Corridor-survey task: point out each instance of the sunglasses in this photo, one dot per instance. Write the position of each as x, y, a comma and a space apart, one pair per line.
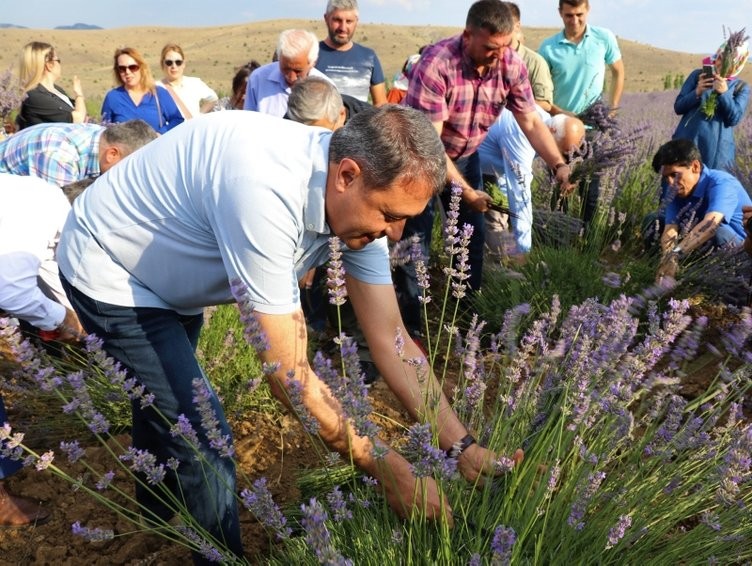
132, 68
56, 59
176, 62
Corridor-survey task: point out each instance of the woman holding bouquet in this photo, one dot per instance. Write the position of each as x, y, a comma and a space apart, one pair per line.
711, 105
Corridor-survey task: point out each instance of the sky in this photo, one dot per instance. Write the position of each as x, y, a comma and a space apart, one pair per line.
693, 26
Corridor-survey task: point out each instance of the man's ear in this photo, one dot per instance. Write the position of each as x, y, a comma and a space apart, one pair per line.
696, 166
112, 154
347, 171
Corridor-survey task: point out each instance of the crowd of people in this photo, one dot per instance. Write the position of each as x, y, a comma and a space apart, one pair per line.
189, 205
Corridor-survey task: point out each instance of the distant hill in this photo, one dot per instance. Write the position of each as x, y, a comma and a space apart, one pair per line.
79, 27
213, 53
11, 26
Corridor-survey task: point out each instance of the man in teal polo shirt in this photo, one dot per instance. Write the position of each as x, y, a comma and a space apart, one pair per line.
578, 56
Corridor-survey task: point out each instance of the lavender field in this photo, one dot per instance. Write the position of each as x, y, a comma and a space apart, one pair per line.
584, 362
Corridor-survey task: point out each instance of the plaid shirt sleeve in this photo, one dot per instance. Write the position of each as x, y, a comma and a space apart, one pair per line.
427, 89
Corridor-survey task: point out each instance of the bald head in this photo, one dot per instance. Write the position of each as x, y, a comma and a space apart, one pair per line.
568, 131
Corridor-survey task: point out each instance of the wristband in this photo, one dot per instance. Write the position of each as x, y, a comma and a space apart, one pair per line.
460, 446
678, 252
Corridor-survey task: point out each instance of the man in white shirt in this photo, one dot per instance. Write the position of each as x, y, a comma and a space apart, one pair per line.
269, 86
32, 214
250, 201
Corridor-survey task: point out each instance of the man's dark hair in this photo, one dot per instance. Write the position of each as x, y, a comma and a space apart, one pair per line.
573, 3
129, 136
676, 152
515, 9
494, 16
392, 144
72, 190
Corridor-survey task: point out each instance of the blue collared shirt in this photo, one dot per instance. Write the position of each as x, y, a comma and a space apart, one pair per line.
716, 191
267, 91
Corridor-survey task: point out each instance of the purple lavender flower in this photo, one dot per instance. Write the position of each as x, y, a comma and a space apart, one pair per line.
251, 327
201, 545
736, 468
317, 535
474, 560
45, 460
258, 500
144, 462
184, 428
72, 450
612, 280
502, 545
202, 397
105, 481
711, 520
335, 274
294, 389
585, 493
338, 505
92, 535
617, 531
348, 387
427, 460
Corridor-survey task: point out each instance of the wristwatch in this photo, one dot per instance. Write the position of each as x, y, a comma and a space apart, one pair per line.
678, 252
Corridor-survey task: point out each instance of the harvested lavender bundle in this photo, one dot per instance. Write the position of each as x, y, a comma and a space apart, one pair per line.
11, 94
729, 61
604, 150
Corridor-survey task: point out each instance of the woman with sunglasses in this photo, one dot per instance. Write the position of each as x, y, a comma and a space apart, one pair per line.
192, 95
40, 69
137, 96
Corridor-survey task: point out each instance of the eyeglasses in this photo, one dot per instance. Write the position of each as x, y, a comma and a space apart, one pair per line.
132, 68
176, 62
56, 59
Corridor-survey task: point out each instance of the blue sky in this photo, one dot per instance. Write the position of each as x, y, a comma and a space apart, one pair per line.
694, 26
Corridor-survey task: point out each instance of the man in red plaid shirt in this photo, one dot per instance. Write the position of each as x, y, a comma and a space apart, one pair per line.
463, 83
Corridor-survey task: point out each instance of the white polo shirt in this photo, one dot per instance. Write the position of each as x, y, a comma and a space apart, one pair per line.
226, 196
32, 214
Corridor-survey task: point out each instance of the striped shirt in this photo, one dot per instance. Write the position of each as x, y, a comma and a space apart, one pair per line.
58, 153
445, 84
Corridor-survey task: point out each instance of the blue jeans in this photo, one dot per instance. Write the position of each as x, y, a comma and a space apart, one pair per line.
8, 467
158, 347
405, 279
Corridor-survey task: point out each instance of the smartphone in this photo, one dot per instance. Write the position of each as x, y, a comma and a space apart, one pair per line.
708, 70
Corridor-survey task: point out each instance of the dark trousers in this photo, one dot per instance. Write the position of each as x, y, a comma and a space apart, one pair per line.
157, 346
405, 279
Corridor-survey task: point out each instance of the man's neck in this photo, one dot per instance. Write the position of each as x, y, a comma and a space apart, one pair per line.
575, 38
346, 47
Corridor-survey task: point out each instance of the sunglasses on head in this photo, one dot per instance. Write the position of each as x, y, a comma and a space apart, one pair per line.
176, 62
132, 68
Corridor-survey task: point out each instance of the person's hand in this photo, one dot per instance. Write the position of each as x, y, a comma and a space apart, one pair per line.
476, 200
409, 496
704, 82
476, 462
668, 268
720, 85
307, 281
77, 90
70, 330
561, 176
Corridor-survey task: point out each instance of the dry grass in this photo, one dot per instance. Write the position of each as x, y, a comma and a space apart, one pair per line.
214, 52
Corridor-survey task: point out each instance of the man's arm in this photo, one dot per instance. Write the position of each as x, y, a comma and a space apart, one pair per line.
617, 82
417, 388
378, 94
544, 144
286, 335
475, 199
700, 234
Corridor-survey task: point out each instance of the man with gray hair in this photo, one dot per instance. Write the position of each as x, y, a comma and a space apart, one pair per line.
241, 206
506, 158
64, 153
316, 102
269, 86
354, 68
